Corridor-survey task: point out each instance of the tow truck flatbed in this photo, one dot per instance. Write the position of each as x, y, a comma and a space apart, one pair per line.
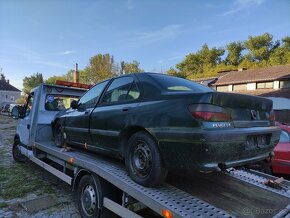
235, 193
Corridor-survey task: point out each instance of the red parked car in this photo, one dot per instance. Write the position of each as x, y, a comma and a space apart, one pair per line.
281, 162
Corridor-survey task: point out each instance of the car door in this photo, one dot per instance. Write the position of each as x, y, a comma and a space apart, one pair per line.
109, 117
77, 120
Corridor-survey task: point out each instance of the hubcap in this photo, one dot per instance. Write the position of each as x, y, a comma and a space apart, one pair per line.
142, 159
89, 200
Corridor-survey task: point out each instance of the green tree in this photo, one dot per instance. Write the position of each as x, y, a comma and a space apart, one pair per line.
2, 77
101, 67
133, 67
201, 61
53, 79
31, 82
173, 72
260, 47
234, 56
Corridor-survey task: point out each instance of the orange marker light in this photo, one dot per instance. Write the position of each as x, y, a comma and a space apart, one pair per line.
166, 213
71, 160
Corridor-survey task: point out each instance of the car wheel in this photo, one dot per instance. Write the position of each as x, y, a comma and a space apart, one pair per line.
59, 134
143, 160
16, 152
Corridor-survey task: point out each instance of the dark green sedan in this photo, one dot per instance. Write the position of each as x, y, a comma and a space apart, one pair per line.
158, 122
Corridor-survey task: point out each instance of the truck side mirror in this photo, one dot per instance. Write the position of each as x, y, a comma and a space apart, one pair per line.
15, 113
74, 104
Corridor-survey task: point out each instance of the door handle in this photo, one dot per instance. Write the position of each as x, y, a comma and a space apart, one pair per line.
28, 126
87, 112
125, 109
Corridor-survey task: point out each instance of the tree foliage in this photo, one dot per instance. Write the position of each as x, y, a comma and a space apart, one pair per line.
31, 82
100, 67
127, 68
256, 51
197, 63
234, 56
2, 77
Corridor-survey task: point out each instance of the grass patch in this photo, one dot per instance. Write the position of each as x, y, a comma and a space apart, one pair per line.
3, 204
2, 153
18, 180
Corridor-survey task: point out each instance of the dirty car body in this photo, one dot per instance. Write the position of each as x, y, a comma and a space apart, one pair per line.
194, 127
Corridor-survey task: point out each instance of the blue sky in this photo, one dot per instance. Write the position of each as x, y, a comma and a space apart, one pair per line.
50, 36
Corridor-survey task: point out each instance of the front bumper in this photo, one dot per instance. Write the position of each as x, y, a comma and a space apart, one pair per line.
205, 150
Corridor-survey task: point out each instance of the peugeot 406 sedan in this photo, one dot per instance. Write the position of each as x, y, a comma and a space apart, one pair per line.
157, 122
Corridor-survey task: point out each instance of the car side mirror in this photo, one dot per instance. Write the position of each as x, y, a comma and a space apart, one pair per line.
74, 104
15, 113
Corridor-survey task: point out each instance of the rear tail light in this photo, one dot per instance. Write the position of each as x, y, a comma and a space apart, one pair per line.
206, 112
211, 116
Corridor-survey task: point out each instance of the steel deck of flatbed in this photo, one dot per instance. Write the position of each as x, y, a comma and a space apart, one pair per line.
235, 193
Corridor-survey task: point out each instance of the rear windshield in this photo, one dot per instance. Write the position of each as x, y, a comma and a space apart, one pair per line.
58, 102
176, 84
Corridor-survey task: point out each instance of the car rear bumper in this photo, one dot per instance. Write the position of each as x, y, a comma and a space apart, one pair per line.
205, 150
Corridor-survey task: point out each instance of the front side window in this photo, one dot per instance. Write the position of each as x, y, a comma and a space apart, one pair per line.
121, 89
91, 97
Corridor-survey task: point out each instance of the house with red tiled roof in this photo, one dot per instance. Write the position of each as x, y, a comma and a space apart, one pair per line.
271, 81
8, 93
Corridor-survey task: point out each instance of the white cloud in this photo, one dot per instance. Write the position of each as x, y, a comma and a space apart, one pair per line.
240, 5
167, 32
130, 5
67, 52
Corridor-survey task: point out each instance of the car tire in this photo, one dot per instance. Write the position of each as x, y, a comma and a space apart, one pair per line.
143, 160
16, 152
58, 134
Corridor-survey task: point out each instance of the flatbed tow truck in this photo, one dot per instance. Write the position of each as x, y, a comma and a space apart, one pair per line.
104, 188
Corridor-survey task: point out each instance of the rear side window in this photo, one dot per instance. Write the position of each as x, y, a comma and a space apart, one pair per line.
121, 89
284, 137
176, 84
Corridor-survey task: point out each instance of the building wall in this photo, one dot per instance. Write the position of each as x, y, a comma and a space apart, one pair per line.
8, 97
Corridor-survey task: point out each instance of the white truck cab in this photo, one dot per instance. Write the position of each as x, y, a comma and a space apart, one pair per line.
41, 106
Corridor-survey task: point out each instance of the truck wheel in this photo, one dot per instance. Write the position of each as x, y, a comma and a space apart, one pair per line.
16, 152
143, 160
59, 134
90, 193
88, 198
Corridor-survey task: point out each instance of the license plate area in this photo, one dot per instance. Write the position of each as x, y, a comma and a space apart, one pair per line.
257, 141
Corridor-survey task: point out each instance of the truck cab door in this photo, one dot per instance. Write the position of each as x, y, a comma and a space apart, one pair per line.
24, 125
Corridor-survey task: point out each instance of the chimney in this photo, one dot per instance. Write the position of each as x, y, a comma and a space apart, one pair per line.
76, 76
7, 81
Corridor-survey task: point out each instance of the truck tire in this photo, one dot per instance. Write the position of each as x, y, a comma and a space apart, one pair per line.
58, 134
16, 152
143, 160
90, 193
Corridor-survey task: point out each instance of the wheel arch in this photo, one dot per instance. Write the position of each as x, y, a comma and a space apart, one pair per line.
128, 132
